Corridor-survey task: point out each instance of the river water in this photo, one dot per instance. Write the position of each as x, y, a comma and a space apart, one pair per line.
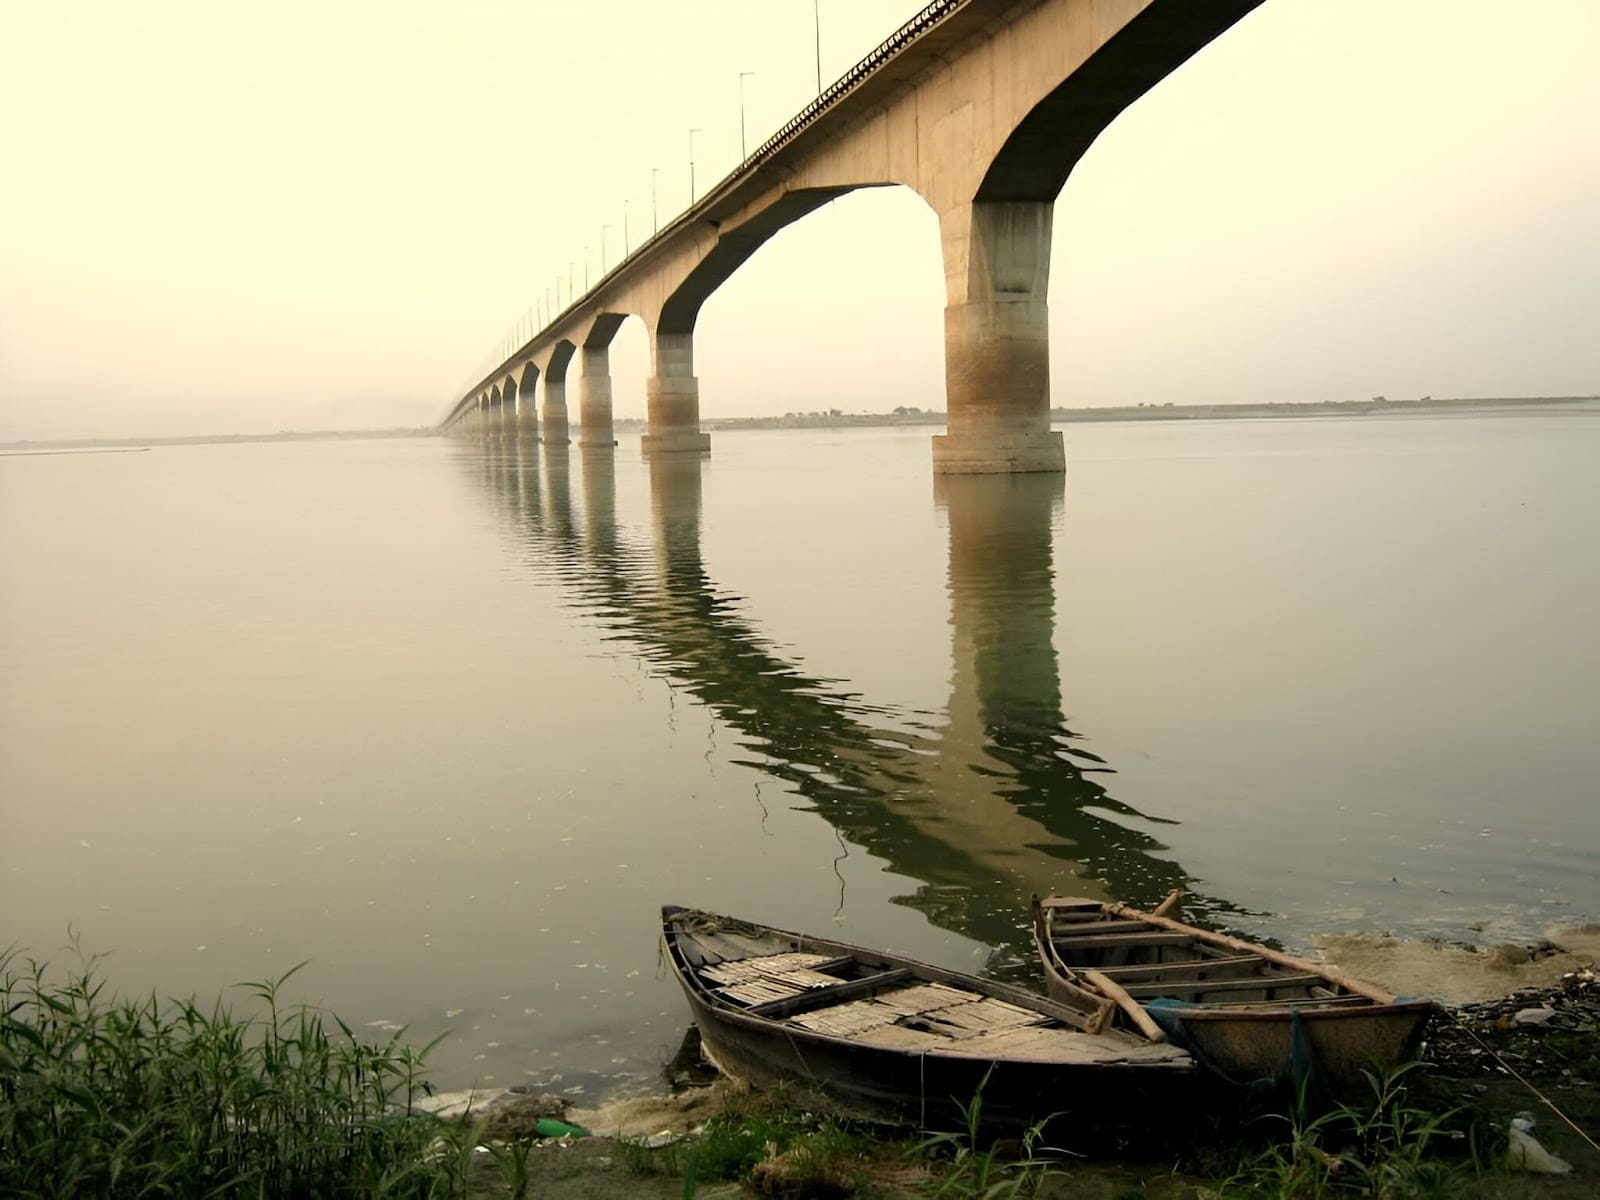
451, 722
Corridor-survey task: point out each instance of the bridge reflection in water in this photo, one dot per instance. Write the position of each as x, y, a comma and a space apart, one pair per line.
999, 802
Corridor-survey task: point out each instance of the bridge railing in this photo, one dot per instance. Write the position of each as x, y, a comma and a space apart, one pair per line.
887, 49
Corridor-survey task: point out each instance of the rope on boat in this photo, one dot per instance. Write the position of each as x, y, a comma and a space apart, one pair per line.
922, 1087
1512, 1071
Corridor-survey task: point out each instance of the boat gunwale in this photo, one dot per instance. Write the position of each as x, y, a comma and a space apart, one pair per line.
1276, 1010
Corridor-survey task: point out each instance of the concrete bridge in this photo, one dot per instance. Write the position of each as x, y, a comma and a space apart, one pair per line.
983, 108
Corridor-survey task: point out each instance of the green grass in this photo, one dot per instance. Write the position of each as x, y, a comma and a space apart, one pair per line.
759, 1128
1396, 1145
150, 1098
779, 1142
972, 1170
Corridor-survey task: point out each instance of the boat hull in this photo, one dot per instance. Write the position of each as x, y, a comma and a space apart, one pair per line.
1351, 1028
934, 1092
1100, 1084
1348, 1043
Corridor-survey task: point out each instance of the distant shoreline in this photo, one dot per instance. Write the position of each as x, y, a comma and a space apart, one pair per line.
1376, 407
50, 445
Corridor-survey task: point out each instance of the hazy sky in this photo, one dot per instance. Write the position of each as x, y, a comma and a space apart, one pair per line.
242, 216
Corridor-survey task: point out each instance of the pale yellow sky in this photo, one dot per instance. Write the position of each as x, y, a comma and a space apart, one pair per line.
244, 216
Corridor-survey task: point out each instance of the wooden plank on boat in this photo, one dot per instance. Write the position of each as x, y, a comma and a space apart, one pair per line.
1099, 927
1032, 1043
738, 970
849, 1019
754, 992
1238, 946
985, 1015
816, 998
1110, 941
1044, 1043
1182, 968
1312, 1004
1244, 983
788, 984
898, 1037
926, 997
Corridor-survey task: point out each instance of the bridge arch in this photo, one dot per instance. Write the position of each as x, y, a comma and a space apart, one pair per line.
508, 406
553, 416
733, 249
596, 401
527, 402
1034, 161
673, 392
494, 412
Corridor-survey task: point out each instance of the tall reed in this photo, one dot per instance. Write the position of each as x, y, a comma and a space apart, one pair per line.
101, 1096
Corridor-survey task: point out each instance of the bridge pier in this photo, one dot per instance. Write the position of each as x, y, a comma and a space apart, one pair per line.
527, 416
672, 398
508, 415
555, 410
594, 399
528, 404
997, 341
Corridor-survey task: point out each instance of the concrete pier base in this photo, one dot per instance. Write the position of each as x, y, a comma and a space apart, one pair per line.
594, 400
527, 419
998, 453
672, 398
554, 418
997, 379
677, 441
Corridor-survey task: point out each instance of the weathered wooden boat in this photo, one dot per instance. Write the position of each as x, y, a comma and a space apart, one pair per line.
1238, 1006
895, 1040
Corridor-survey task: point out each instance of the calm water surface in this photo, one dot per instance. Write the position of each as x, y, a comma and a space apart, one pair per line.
452, 722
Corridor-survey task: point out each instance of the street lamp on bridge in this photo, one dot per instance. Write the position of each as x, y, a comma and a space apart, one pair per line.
692, 132
816, 24
743, 75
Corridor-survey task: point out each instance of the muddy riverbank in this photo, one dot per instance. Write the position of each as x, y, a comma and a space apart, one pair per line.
1518, 1034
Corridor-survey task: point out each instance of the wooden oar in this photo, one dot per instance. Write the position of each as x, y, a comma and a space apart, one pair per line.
1119, 996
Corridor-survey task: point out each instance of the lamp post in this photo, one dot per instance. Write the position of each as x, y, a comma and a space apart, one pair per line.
586, 268
655, 221
743, 75
627, 246
692, 132
816, 24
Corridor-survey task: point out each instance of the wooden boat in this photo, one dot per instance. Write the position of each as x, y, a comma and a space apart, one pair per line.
1235, 1004
895, 1040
